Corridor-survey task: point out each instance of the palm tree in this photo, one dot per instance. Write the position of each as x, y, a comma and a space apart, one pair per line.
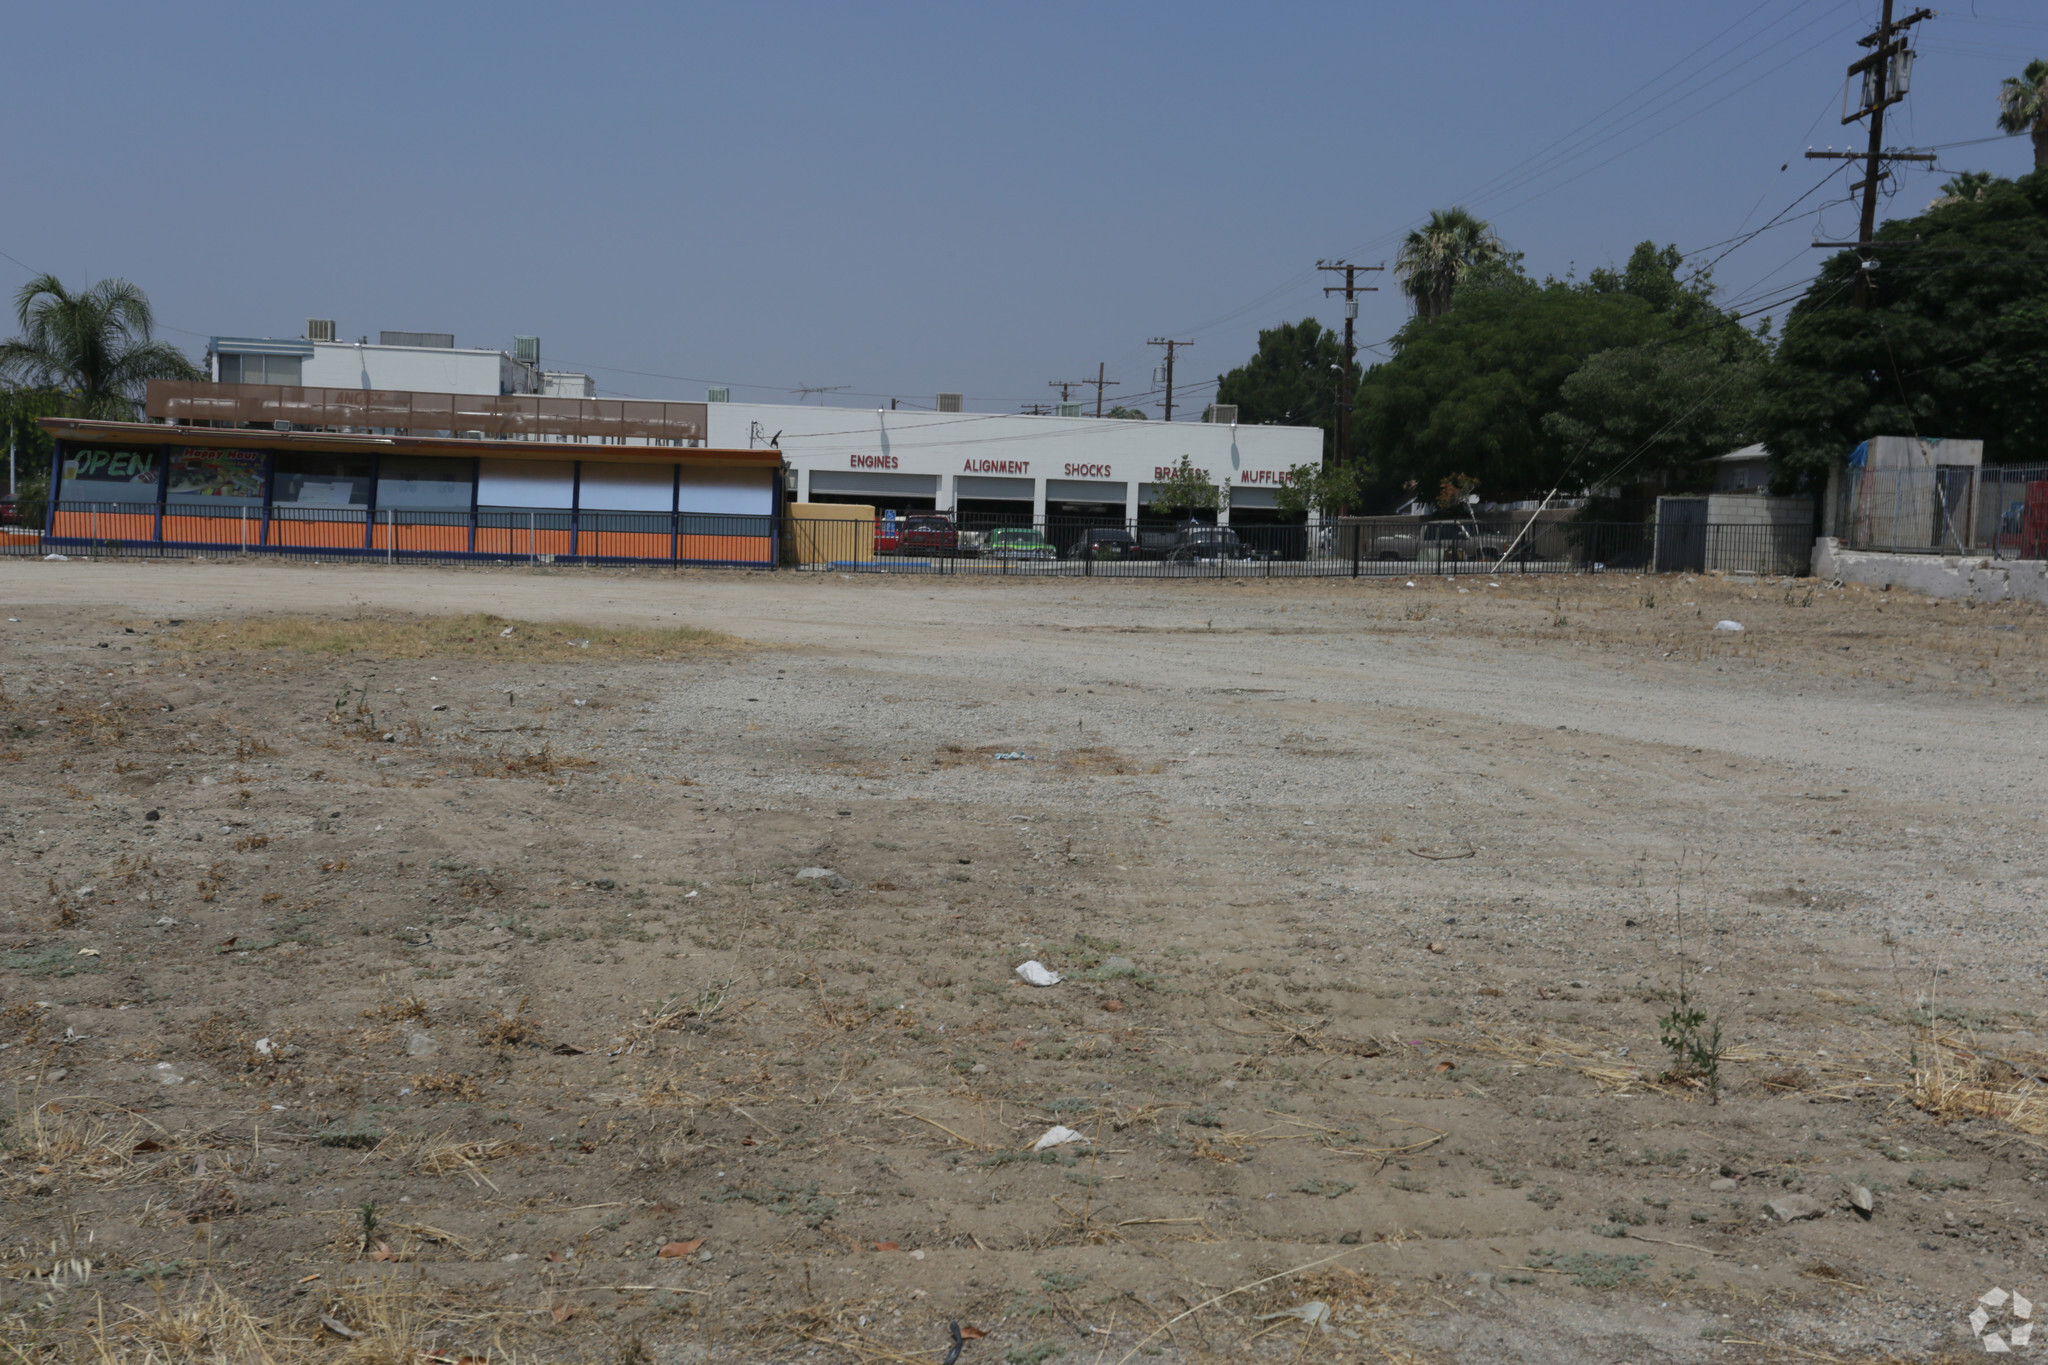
1433, 256
93, 345
2023, 107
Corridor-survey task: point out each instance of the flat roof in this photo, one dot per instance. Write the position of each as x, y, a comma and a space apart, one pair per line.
248, 438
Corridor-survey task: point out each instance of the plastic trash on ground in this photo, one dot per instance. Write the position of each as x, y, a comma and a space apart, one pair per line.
1001, 758
1315, 1313
1728, 625
1059, 1135
1037, 973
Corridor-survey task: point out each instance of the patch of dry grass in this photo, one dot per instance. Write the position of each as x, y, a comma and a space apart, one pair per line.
1953, 1081
479, 635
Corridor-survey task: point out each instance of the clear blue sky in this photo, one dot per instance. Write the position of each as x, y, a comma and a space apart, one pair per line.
906, 198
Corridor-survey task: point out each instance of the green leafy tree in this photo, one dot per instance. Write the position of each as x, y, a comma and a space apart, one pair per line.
1963, 185
1124, 414
1326, 489
1663, 408
1184, 492
1467, 393
1955, 342
93, 345
1505, 388
1435, 256
20, 409
1291, 380
2023, 108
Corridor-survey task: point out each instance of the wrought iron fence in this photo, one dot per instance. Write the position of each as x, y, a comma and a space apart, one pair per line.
1350, 548
2000, 511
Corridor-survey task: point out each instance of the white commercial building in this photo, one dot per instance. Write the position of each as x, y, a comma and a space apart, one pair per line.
979, 465
397, 362
1013, 466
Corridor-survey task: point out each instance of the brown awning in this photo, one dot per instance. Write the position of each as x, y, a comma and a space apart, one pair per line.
230, 438
515, 414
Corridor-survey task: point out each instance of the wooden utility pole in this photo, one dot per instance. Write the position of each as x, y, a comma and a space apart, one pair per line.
1885, 75
1170, 346
1101, 368
1346, 390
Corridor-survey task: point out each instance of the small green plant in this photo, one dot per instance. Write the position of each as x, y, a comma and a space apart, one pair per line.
1015, 1156
1203, 1118
1591, 1270
367, 1215
1410, 1184
1692, 1039
1545, 1198
803, 1201
1328, 1189
1060, 1282
352, 1136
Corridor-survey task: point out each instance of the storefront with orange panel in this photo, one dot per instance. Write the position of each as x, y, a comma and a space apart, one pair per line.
329, 493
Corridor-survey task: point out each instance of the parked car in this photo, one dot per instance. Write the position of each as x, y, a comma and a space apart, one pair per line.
925, 533
10, 510
1197, 543
1019, 542
1107, 542
1445, 542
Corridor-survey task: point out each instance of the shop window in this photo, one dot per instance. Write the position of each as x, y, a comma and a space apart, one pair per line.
101, 474
425, 484
321, 481
262, 369
216, 478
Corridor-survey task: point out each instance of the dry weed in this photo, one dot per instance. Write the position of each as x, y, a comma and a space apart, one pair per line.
502, 1031
398, 636
1952, 1081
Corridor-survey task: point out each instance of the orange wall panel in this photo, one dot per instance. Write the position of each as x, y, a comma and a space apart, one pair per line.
732, 549
121, 526
625, 544
516, 540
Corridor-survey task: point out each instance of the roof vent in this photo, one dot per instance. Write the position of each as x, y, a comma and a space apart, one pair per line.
1226, 413
949, 402
319, 329
439, 341
523, 348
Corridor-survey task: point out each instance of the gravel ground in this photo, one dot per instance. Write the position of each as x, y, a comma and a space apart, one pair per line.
1354, 862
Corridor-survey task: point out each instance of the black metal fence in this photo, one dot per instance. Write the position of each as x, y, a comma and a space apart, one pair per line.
1350, 548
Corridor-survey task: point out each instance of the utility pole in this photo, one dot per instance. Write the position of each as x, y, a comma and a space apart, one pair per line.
1065, 386
1347, 390
1167, 369
1101, 368
1036, 410
1886, 75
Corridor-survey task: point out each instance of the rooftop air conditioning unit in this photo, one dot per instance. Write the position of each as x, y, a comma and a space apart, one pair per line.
718, 395
433, 341
319, 329
526, 349
1070, 410
1226, 413
949, 402
472, 435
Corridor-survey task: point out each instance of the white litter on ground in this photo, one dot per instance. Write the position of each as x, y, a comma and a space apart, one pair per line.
1037, 973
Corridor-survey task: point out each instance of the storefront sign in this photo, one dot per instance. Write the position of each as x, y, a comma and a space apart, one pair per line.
111, 466
996, 467
873, 462
198, 475
1089, 471
1265, 476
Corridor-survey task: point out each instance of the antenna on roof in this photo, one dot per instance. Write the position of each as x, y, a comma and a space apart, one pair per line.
803, 391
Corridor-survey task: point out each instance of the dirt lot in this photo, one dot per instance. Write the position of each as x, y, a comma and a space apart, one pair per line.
364, 972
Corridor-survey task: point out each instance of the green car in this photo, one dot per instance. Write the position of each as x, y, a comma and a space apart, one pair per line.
1019, 543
